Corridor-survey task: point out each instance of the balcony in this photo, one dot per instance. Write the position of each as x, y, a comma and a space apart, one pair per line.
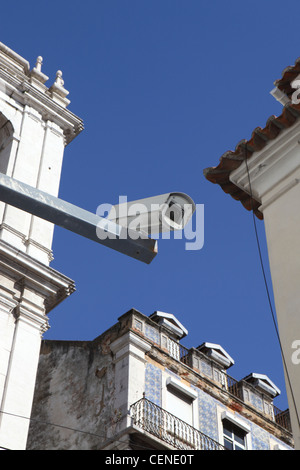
173, 431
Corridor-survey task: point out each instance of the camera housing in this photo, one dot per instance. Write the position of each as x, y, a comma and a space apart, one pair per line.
153, 215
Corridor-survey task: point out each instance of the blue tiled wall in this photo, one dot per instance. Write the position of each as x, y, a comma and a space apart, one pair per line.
260, 438
152, 334
207, 407
153, 376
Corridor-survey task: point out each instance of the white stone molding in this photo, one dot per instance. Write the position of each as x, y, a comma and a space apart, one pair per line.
236, 419
22, 88
293, 182
33, 319
51, 285
268, 168
132, 344
181, 387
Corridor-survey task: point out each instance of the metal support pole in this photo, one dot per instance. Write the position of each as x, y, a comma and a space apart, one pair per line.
22, 196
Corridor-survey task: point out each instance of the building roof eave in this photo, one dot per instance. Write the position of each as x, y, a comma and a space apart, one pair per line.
231, 160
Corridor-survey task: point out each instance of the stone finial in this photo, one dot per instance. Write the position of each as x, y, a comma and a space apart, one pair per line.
58, 92
59, 80
37, 78
39, 63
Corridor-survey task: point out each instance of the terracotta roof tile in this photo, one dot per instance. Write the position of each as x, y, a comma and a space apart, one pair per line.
231, 160
288, 75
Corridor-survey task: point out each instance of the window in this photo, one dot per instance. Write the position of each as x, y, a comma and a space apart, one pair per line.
234, 437
180, 400
180, 405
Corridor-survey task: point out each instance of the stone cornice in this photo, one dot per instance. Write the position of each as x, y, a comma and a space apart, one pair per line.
51, 284
32, 318
25, 88
130, 343
12, 60
271, 167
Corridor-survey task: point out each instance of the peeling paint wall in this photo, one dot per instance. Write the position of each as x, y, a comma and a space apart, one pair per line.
75, 389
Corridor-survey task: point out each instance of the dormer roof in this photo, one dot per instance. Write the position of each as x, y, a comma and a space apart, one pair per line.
216, 352
263, 383
171, 323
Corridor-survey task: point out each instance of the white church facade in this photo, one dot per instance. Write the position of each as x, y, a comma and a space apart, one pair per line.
35, 127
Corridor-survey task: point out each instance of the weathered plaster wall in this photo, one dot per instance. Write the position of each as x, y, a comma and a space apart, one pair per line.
75, 389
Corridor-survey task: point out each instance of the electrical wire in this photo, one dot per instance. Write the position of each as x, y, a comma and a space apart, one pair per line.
273, 318
69, 429
267, 288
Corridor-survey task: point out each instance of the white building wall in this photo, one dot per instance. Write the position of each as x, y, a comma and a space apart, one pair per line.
274, 173
129, 358
20, 382
35, 159
35, 128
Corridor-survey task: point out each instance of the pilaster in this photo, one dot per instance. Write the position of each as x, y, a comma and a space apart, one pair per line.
29, 291
129, 357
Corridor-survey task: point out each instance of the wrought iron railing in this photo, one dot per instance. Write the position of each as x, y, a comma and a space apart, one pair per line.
163, 425
282, 418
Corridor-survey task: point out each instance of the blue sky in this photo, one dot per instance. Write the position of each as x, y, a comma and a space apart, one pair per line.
164, 87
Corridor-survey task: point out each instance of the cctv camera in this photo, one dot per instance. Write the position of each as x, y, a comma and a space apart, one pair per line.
153, 215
